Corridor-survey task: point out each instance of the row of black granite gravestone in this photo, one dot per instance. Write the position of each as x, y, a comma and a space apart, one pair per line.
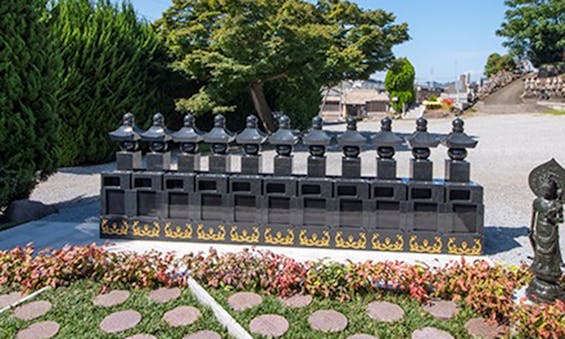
383, 212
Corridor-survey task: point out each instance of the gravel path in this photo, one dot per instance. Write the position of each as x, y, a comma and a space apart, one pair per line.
510, 146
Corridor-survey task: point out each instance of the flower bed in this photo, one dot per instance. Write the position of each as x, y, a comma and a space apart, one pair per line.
485, 289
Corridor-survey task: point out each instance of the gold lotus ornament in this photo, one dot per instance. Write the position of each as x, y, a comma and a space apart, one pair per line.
211, 234
114, 228
315, 240
350, 242
425, 246
278, 238
387, 244
245, 235
147, 230
178, 232
464, 248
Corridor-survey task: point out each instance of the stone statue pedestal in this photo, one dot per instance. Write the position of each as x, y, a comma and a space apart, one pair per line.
386, 169
350, 167
158, 161
457, 171
283, 165
188, 163
543, 291
127, 161
251, 164
421, 169
316, 166
219, 163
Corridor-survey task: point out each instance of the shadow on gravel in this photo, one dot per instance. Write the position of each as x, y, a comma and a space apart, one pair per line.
502, 239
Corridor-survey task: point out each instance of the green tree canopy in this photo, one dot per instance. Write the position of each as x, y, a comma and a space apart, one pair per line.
113, 64
535, 30
28, 104
399, 83
263, 46
496, 63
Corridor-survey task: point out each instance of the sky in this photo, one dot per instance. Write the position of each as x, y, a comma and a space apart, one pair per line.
448, 37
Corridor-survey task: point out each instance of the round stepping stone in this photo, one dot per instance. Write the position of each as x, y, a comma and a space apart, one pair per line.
32, 310
441, 309
243, 300
269, 325
120, 321
40, 330
297, 301
362, 336
430, 333
9, 299
142, 336
203, 335
327, 321
181, 316
163, 295
384, 311
479, 327
113, 298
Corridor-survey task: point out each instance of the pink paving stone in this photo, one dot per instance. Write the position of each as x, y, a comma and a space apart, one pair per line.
441, 309
203, 335
243, 300
113, 298
327, 321
32, 310
142, 336
269, 325
9, 299
40, 330
181, 316
479, 327
297, 301
163, 295
430, 333
384, 311
362, 336
120, 321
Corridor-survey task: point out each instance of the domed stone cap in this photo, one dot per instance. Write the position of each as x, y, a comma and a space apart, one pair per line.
251, 135
219, 134
387, 138
421, 138
189, 132
351, 137
284, 135
316, 136
157, 131
127, 131
458, 138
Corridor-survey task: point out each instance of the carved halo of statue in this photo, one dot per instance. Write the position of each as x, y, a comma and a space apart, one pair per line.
547, 181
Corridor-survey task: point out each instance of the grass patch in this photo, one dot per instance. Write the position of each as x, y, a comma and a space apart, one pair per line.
355, 311
555, 112
79, 318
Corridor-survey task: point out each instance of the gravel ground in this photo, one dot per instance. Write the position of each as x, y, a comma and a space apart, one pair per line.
510, 146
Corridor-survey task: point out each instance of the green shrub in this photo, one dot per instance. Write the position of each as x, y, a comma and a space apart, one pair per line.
28, 106
112, 64
399, 82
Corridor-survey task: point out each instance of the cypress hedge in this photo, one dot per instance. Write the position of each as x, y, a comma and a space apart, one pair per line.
28, 104
113, 63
